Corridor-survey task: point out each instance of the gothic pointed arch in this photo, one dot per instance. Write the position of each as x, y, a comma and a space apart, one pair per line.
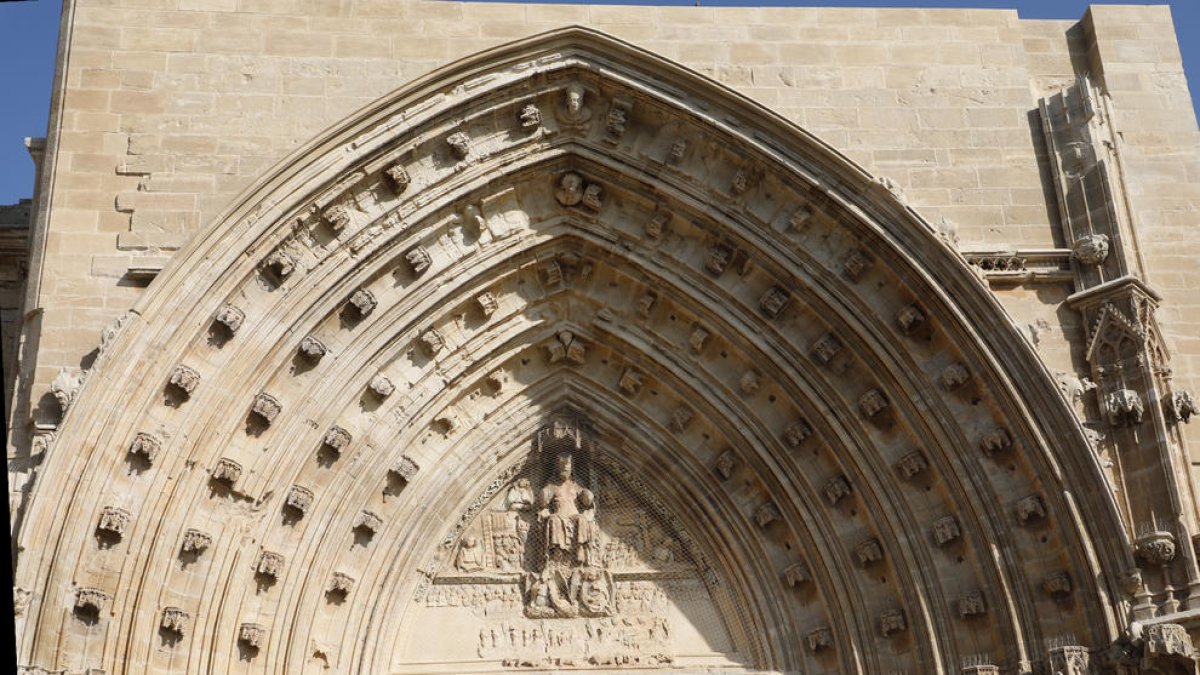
799, 434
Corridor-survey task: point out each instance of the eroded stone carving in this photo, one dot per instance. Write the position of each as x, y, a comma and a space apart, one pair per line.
573, 113
617, 119
797, 432
1069, 660
1155, 547
312, 349
1030, 508
280, 262
996, 441
593, 196
678, 150
487, 303
954, 376
460, 144
1057, 584
174, 620
910, 318
398, 176
1124, 408
1179, 406
697, 339
185, 378
718, 259
856, 265
971, 604
659, 220
252, 635
797, 574
299, 499
146, 446
1091, 249
868, 552
740, 182
418, 260
726, 463
1167, 639
406, 469
681, 417
227, 471
368, 521
381, 386
231, 317
565, 346
267, 407
90, 601
892, 622
632, 381
819, 639
195, 541
65, 388
363, 301
645, 304
432, 342
269, 564
113, 520
773, 301
836, 489
338, 216
766, 514
946, 530
912, 464
530, 117
872, 403
340, 583
749, 384
337, 439
825, 348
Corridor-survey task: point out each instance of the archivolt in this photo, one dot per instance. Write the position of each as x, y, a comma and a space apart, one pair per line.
731, 267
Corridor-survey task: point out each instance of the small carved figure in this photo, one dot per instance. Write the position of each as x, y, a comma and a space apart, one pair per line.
399, 178
299, 498
312, 348
90, 601
338, 216
618, 117
631, 381
766, 514
826, 348
996, 441
418, 260
645, 304
113, 520
195, 541
911, 464
227, 471
381, 386
280, 263
174, 620
872, 403
520, 496
678, 150
891, 622
749, 384
406, 469
65, 388
868, 552
231, 317
252, 635
592, 196
836, 489
530, 117
718, 259
269, 564
570, 189
487, 303
796, 433
573, 113
185, 378
145, 445
819, 639
363, 302
697, 339
340, 583
800, 218
432, 341
1180, 406
470, 555
336, 439
460, 144
658, 222
946, 530
855, 265
681, 418
910, 318
1030, 508
954, 376
267, 407
726, 463
797, 574
567, 514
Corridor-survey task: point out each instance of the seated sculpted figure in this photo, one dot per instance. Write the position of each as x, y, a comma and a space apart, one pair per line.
560, 515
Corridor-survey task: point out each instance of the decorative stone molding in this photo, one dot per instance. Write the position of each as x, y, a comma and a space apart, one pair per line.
1179, 406
855, 266
819, 639
195, 541
280, 263
766, 514
419, 260
658, 222
65, 387
681, 417
231, 318
718, 259
981, 669
946, 530
971, 605
995, 442
617, 119
800, 219
252, 635
796, 433
868, 552
797, 574
363, 302
836, 489
312, 349
185, 379
912, 465
565, 346
726, 463
892, 622
1156, 547
773, 301
749, 383
146, 446
954, 376
1030, 509
174, 620
227, 471
338, 216
337, 439
299, 499
114, 521
697, 339
1124, 408
266, 407
381, 386
1167, 639
269, 565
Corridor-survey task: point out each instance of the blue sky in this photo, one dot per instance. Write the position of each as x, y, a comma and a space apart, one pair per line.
29, 32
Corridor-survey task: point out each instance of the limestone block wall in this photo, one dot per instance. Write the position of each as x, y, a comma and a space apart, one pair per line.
166, 109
